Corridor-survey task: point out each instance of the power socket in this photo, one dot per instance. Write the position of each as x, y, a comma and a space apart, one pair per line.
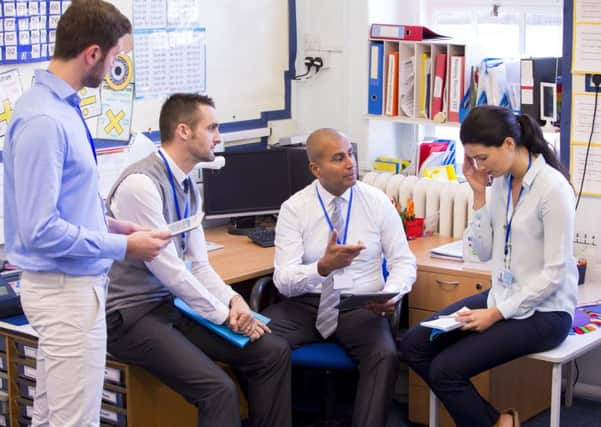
586, 245
589, 84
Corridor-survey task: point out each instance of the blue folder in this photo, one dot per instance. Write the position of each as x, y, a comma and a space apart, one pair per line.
376, 77
221, 330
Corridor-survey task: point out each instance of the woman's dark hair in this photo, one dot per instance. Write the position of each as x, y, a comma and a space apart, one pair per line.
489, 125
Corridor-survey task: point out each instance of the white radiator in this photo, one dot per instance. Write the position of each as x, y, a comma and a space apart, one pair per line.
446, 206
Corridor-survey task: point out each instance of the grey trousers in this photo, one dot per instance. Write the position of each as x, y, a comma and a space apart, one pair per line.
180, 353
367, 339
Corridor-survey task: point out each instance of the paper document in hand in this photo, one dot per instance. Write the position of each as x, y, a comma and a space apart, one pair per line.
447, 322
185, 224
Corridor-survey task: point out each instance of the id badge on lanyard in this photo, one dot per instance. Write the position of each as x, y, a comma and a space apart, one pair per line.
342, 279
505, 276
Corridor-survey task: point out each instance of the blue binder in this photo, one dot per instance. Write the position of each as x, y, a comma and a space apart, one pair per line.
376, 77
221, 330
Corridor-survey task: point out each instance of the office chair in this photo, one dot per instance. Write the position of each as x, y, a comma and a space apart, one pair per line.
326, 356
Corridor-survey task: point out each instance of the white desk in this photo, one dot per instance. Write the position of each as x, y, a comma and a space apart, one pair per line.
573, 347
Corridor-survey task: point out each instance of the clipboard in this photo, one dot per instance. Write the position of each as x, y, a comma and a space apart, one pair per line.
353, 301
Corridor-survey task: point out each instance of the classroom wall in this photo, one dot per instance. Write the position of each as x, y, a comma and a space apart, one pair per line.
247, 55
338, 96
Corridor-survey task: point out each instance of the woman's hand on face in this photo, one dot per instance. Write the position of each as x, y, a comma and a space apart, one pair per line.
477, 179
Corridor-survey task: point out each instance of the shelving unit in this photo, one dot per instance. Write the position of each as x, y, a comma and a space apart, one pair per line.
413, 59
131, 397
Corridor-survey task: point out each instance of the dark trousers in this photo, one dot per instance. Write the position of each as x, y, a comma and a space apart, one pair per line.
180, 353
366, 338
448, 361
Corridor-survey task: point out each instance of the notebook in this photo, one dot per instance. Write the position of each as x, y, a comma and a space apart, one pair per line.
452, 251
221, 330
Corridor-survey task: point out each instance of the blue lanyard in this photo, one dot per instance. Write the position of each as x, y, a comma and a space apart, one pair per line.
90, 139
348, 216
172, 182
509, 220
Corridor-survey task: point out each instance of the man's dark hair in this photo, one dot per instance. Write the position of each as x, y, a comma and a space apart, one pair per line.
89, 22
180, 108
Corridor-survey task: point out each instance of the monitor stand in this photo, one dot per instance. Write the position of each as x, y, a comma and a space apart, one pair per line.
242, 225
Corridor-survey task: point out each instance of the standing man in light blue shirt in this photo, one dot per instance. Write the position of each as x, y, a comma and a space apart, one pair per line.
55, 227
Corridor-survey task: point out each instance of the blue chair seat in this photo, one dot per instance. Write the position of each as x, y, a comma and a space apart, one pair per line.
322, 356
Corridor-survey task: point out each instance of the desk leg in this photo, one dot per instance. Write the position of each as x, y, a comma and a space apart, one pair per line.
555, 395
570, 377
433, 416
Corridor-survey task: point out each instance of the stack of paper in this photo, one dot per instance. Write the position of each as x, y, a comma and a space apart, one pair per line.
452, 251
447, 322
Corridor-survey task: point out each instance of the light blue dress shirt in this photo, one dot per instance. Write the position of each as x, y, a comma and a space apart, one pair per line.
53, 213
542, 231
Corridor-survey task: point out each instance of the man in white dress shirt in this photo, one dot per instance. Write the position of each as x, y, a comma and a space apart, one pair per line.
146, 329
331, 237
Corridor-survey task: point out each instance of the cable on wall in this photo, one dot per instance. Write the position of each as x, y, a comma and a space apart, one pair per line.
596, 80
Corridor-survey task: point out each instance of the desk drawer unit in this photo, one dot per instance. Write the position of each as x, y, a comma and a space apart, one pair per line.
26, 388
25, 410
26, 350
3, 382
113, 416
434, 291
114, 395
26, 369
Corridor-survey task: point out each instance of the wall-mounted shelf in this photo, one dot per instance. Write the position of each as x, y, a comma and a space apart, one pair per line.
410, 120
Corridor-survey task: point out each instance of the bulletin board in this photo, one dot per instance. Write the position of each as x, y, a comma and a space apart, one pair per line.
585, 129
244, 68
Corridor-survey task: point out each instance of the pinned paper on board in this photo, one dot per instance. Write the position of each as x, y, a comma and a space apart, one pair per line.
90, 102
10, 91
115, 121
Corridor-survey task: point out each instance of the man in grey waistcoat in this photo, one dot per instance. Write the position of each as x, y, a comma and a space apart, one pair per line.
146, 329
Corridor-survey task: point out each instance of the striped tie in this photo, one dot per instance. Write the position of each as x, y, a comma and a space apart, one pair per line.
327, 315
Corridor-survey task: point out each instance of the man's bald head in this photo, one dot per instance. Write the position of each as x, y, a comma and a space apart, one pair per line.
331, 160
317, 140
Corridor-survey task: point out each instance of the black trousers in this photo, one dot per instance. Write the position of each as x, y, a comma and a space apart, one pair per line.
365, 336
180, 353
448, 361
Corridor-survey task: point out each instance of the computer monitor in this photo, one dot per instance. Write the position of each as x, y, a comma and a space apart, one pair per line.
251, 183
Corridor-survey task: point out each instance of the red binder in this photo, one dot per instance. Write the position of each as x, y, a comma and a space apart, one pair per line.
402, 32
438, 87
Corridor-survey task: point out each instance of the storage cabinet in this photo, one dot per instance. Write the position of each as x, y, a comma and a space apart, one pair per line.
131, 397
523, 384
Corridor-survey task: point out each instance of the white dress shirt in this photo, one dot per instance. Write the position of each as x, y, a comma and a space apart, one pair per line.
302, 234
138, 200
542, 231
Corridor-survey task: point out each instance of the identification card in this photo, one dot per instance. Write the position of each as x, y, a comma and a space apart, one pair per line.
343, 280
505, 278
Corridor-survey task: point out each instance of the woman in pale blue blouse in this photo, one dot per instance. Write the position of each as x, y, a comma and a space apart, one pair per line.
527, 229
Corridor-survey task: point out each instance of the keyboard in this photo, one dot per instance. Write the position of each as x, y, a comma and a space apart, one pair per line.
263, 236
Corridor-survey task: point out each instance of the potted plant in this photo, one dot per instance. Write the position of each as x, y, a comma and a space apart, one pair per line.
414, 227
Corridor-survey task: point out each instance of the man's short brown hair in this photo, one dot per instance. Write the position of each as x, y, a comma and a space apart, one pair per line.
86, 23
180, 108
